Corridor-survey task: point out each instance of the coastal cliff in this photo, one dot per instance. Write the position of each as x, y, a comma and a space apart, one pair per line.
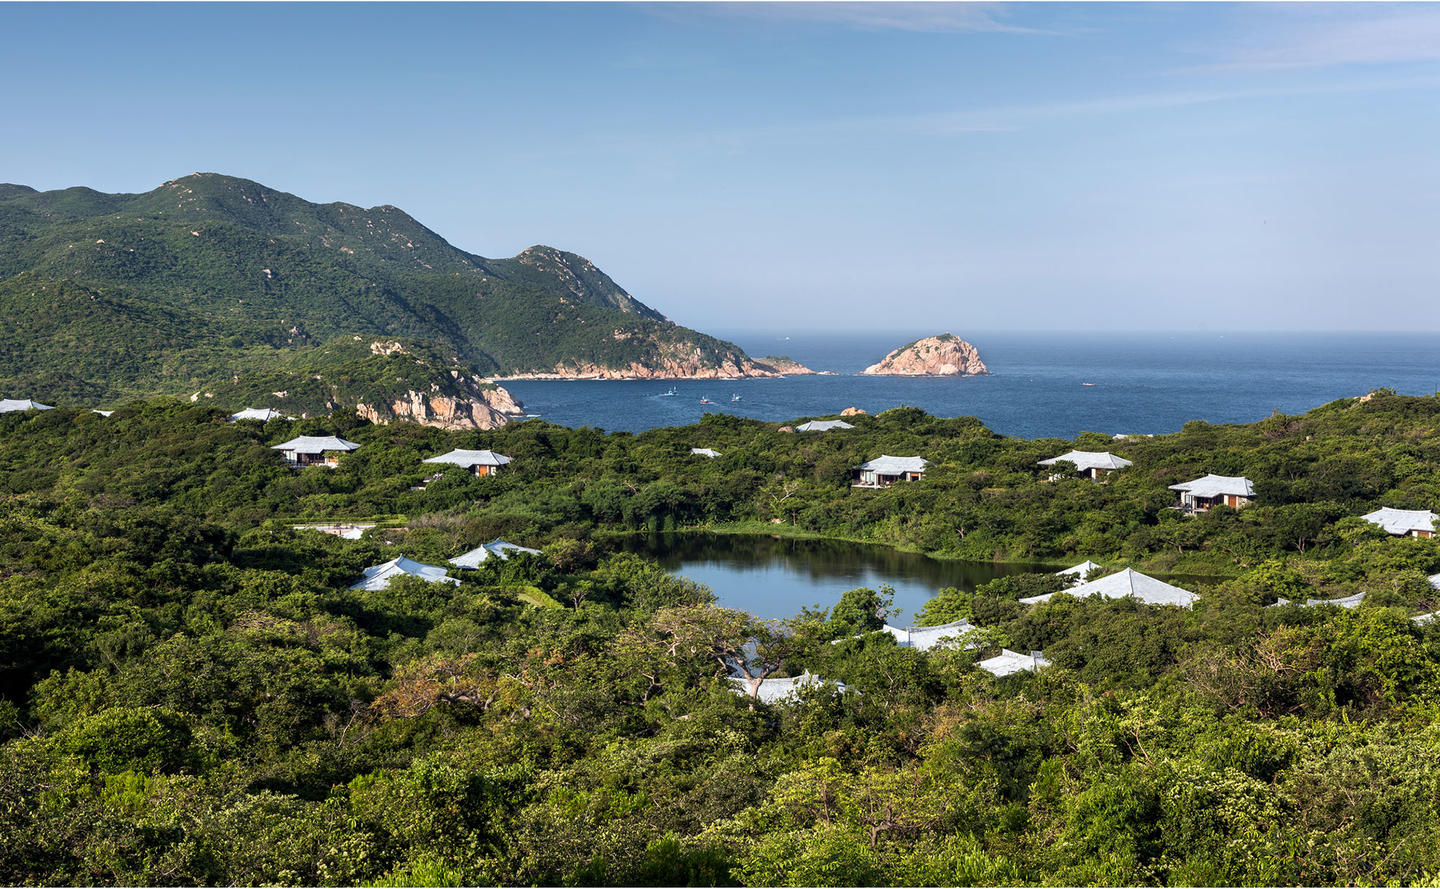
680, 363
934, 356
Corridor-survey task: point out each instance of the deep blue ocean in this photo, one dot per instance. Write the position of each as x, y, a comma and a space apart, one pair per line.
1140, 383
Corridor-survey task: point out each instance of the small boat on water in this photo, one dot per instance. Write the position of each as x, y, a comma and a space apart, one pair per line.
734, 396
671, 392
704, 400
1087, 384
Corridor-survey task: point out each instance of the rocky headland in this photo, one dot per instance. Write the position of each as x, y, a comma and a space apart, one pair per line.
945, 355
682, 366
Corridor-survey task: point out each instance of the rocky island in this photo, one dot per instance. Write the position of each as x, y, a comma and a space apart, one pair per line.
934, 356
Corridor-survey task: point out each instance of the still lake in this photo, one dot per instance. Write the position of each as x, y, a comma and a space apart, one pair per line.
775, 577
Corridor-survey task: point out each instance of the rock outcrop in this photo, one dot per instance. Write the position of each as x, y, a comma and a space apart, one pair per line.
852, 411
481, 406
935, 356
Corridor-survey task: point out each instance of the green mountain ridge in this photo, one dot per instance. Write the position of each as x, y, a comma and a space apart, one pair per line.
165, 292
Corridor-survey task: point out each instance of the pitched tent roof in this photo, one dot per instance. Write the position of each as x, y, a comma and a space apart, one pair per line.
1084, 460
1007, 662
1127, 583
823, 426
705, 452
1216, 485
773, 690
22, 404
498, 548
1078, 572
378, 577
1426, 618
316, 444
468, 459
100, 412
263, 414
1345, 602
888, 465
926, 638
1402, 521
1435, 581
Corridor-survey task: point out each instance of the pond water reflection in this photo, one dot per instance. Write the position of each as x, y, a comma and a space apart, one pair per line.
774, 577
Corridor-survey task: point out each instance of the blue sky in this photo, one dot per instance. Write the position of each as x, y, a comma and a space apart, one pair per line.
807, 166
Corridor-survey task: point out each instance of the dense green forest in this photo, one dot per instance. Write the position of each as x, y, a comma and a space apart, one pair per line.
207, 277
191, 693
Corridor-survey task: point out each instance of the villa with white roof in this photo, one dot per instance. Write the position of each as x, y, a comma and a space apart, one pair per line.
1214, 490
885, 471
773, 691
1403, 522
1127, 583
378, 577
1008, 662
823, 426
1091, 464
497, 548
263, 414
315, 450
479, 462
704, 452
8, 405
926, 638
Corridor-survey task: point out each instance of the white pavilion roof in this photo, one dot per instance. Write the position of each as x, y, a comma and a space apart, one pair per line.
316, 444
1084, 460
1007, 662
773, 690
378, 577
1216, 485
1077, 572
263, 414
1426, 618
468, 459
888, 465
1402, 521
823, 426
926, 638
22, 404
1343, 602
498, 548
1127, 583
705, 452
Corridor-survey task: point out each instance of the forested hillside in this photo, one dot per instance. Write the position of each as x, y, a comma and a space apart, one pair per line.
170, 291
191, 693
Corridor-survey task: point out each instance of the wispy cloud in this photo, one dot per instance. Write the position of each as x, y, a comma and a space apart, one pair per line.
925, 17
1358, 35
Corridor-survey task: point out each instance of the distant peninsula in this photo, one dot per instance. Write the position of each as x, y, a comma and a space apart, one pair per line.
945, 355
219, 288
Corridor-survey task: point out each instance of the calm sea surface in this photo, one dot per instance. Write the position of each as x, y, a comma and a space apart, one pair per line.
1141, 382
775, 577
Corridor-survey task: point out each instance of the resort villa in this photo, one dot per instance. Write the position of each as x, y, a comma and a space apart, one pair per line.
378, 577
885, 471
1090, 464
926, 638
315, 450
705, 452
1214, 490
823, 426
263, 414
774, 690
497, 548
9, 405
1403, 522
1007, 662
479, 462
1127, 583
